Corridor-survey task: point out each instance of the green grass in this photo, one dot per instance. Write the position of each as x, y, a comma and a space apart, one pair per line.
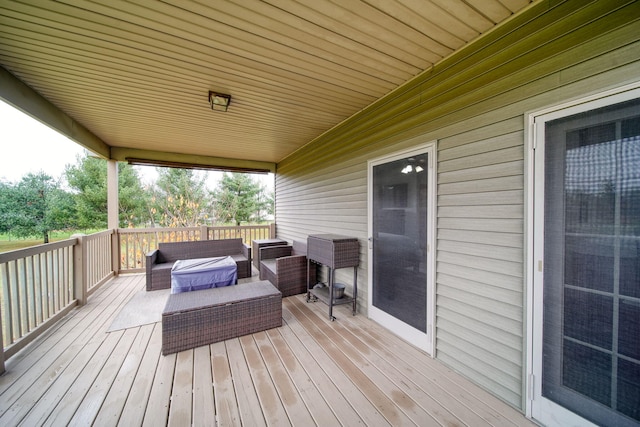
8, 243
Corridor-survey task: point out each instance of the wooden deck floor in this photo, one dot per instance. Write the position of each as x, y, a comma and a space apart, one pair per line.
310, 371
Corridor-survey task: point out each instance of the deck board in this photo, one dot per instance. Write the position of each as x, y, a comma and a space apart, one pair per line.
203, 399
226, 407
309, 371
246, 394
413, 400
136, 403
180, 410
157, 409
325, 401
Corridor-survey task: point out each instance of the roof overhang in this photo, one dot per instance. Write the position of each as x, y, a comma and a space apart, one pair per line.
131, 80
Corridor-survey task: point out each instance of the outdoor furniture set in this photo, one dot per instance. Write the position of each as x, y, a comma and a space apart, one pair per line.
161, 260
202, 308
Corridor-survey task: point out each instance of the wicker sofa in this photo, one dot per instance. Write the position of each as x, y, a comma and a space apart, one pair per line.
160, 261
286, 267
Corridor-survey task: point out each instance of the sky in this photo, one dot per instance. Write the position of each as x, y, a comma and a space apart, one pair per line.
30, 146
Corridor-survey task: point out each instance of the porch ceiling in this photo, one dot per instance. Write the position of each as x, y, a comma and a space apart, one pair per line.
137, 74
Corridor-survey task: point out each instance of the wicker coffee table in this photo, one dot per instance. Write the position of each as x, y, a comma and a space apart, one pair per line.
193, 319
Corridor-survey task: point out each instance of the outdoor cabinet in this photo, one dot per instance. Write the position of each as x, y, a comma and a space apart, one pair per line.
333, 251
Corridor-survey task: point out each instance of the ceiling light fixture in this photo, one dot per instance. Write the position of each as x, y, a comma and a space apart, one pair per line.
219, 101
409, 168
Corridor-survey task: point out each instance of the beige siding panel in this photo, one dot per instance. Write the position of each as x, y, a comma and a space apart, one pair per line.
455, 341
476, 339
502, 211
474, 105
482, 264
503, 126
487, 251
493, 332
482, 373
491, 184
512, 197
482, 172
470, 314
484, 159
464, 296
488, 278
505, 239
509, 140
481, 224
485, 290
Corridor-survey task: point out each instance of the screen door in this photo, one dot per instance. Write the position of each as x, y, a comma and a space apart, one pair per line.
400, 267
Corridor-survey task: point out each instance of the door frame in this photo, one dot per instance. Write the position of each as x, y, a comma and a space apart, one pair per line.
398, 327
536, 406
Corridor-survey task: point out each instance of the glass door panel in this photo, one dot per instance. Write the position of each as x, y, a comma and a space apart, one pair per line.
399, 193
591, 330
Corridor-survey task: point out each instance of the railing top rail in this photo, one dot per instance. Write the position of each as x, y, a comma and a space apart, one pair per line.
155, 230
99, 234
223, 227
35, 250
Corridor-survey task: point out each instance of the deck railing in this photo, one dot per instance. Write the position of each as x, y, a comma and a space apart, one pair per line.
98, 250
135, 243
41, 284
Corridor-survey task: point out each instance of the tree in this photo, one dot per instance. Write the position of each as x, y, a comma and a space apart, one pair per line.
35, 206
180, 198
238, 198
89, 180
133, 199
7, 203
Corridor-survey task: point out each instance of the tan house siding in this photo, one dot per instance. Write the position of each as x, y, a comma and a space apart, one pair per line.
473, 103
479, 257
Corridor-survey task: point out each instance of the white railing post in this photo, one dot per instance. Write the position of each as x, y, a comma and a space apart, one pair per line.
204, 232
79, 270
115, 251
1, 344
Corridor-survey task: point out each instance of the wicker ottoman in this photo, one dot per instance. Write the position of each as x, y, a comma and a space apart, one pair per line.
196, 318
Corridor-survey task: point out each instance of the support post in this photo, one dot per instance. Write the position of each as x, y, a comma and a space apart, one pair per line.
1, 345
113, 220
272, 230
112, 195
79, 270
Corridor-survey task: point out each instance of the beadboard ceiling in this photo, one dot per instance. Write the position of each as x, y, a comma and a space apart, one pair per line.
137, 74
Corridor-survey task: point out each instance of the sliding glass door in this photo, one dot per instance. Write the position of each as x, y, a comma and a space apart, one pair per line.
589, 318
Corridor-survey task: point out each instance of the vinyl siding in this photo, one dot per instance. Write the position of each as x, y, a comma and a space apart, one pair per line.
473, 104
